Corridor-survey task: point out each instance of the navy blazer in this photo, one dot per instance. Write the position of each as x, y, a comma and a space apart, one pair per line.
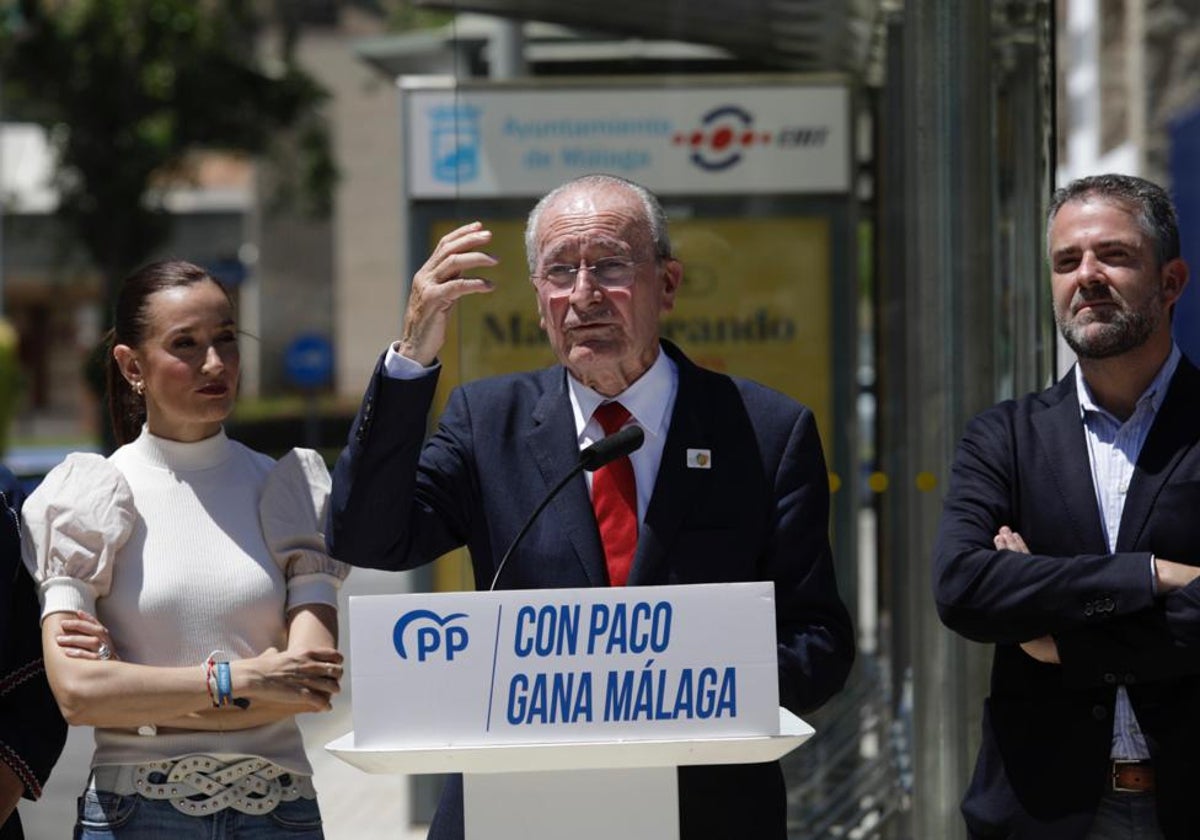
32, 732
1047, 729
760, 513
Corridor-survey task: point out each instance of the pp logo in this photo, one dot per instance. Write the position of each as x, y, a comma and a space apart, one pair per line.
430, 634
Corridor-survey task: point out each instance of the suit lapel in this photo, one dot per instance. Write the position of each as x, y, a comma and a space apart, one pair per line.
1059, 429
554, 445
1171, 437
676, 486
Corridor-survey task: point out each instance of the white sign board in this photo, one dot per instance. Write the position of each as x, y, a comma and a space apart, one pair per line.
732, 140
552, 665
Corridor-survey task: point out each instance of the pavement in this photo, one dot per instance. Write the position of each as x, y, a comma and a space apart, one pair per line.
355, 805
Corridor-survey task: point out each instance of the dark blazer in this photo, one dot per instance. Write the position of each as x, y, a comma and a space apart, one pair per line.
760, 513
32, 732
1047, 729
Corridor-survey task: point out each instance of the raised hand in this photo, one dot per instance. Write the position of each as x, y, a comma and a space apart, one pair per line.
438, 285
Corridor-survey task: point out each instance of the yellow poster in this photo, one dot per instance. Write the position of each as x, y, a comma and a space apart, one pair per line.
756, 301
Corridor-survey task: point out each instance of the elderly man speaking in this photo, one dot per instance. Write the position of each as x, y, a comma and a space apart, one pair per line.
603, 272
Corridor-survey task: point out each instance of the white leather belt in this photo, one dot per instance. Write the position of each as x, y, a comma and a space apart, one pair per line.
199, 785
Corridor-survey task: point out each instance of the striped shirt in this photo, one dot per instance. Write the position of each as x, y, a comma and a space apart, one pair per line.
1113, 449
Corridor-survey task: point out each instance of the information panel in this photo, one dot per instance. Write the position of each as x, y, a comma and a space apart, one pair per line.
540, 666
470, 142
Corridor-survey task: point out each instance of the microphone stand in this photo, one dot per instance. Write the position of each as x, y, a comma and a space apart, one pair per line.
592, 458
576, 470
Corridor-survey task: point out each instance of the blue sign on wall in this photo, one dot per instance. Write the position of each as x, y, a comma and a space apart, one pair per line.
230, 271
308, 361
455, 142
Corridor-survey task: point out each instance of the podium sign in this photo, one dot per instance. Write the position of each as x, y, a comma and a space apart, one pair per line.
569, 665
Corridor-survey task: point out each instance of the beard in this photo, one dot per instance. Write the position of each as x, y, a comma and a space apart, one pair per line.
1126, 329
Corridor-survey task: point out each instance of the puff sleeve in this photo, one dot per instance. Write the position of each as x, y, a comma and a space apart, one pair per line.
75, 522
292, 512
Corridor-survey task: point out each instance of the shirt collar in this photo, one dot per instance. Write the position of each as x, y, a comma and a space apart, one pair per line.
1154, 394
646, 399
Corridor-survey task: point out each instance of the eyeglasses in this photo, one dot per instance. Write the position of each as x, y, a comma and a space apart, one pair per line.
609, 273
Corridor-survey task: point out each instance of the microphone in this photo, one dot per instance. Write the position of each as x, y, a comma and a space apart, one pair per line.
591, 458
617, 445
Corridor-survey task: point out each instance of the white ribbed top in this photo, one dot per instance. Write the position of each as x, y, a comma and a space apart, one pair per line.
136, 539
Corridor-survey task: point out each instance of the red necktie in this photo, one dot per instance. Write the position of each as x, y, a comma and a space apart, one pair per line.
614, 498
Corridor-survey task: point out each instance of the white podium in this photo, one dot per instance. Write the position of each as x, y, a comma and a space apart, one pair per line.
605, 774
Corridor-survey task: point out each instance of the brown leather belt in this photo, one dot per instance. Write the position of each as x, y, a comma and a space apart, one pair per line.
1132, 776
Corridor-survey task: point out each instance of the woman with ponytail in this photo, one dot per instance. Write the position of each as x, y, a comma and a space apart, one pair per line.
188, 604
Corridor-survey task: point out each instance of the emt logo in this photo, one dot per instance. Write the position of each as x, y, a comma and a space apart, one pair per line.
429, 634
727, 133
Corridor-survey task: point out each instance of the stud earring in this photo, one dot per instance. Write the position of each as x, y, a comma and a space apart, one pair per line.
139, 388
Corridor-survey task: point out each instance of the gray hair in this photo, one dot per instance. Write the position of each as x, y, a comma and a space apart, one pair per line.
656, 217
1149, 203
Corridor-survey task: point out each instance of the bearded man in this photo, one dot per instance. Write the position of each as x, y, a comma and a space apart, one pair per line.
1070, 541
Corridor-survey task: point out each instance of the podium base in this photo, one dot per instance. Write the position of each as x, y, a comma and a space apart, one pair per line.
632, 804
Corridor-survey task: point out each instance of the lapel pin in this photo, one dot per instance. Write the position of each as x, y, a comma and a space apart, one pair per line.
699, 459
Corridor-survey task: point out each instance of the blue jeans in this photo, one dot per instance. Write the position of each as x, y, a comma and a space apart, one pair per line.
1126, 816
111, 816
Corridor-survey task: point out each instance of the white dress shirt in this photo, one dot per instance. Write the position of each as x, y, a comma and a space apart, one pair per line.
649, 401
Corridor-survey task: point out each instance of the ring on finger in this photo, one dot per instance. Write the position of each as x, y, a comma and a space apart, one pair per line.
104, 651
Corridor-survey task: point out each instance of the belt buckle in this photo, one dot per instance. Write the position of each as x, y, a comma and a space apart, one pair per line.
1117, 763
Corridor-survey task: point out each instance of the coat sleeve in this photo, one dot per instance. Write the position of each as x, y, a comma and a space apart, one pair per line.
396, 501
32, 732
1099, 607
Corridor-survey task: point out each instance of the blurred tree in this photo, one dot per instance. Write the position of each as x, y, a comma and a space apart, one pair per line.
404, 16
130, 89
